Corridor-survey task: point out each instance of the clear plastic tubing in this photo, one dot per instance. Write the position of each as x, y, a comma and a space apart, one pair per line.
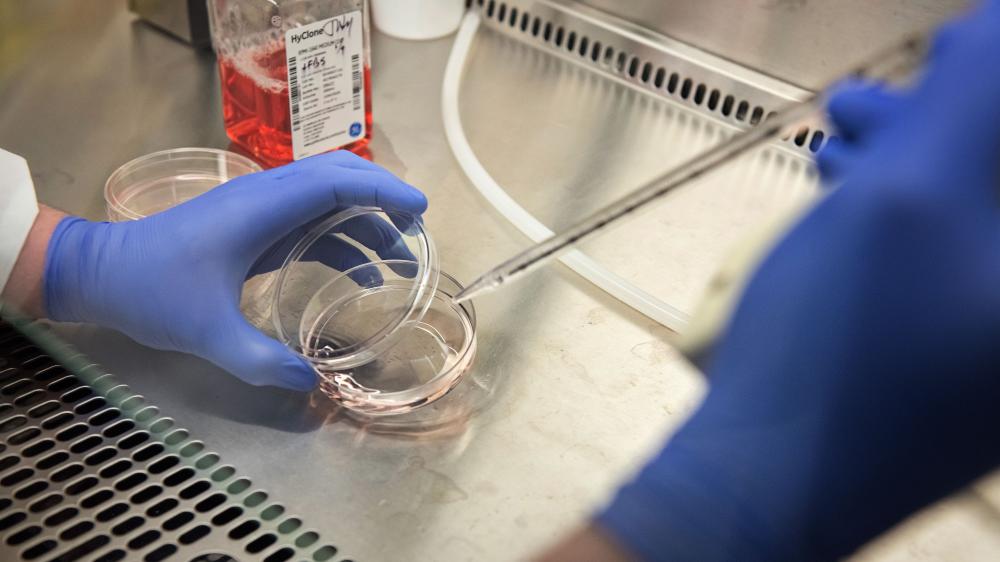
576, 260
897, 60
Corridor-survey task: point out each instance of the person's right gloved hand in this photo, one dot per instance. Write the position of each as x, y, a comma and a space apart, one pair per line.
859, 378
173, 280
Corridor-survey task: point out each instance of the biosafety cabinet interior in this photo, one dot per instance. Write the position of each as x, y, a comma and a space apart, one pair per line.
112, 451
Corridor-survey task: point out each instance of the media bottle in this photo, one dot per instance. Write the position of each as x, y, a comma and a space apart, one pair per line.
295, 75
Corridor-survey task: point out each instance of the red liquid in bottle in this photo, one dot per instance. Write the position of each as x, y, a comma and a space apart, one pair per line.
255, 106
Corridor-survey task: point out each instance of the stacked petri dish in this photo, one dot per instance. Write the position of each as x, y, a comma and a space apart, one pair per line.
160, 180
362, 298
360, 295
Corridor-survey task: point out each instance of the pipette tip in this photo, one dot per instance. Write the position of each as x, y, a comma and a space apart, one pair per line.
482, 285
461, 297
465, 294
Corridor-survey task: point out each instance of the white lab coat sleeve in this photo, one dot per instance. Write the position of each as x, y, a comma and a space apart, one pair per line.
18, 209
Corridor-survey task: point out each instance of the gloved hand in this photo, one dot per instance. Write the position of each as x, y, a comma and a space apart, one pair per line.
859, 378
173, 280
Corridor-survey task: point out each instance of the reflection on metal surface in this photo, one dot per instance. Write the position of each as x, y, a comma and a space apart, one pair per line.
448, 418
801, 41
896, 60
585, 141
580, 388
91, 471
650, 62
487, 186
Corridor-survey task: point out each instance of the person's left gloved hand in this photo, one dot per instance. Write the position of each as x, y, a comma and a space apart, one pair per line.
173, 280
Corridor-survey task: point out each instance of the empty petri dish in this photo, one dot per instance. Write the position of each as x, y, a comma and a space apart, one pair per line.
158, 181
361, 298
161, 180
427, 359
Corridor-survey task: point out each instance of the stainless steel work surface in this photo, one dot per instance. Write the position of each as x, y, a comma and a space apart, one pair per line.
581, 388
571, 389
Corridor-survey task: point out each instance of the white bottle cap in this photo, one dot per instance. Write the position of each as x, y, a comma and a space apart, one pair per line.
417, 19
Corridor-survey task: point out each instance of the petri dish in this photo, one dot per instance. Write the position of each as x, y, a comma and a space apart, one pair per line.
161, 180
158, 181
427, 360
361, 297
359, 275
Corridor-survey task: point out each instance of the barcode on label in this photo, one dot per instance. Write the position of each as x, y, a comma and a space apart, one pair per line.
293, 91
356, 78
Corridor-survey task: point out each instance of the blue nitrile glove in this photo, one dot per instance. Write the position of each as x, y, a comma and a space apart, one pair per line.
173, 280
859, 378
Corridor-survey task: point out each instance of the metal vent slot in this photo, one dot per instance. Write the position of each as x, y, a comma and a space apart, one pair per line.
90, 471
653, 63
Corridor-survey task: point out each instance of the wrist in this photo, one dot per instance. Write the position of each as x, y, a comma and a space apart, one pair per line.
68, 270
669, 513
589, 543
713, 494
25, 289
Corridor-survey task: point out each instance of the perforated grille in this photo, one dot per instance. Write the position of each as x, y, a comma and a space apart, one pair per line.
653, 63
91, 471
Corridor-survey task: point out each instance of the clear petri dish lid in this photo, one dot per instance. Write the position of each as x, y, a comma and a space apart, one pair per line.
352, 287
428, 361
161, 180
